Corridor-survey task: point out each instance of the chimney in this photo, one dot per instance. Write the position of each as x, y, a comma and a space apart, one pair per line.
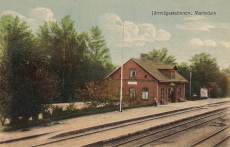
155, 58
144, 57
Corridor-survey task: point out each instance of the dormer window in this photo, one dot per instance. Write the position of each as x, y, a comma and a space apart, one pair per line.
132, 73
172, 74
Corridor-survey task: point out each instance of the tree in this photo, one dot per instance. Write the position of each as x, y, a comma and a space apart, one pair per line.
4, 93
97, 46
17, 52
204, 71
74, 57
22, 60
100, 92
98, 55
45, 91
223, 83
226, 80
66, 54
226, 70
162, 56
132, 96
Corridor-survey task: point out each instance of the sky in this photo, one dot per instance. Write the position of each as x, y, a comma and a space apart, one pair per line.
132, 27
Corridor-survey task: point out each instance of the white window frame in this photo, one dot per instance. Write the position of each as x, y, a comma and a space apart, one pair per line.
132, 92
132, 73
145, 93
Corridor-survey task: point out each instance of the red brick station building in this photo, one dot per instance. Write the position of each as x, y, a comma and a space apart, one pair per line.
150, 79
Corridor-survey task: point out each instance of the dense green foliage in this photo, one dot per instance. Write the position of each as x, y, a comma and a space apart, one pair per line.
162, 56
18, 57
99, 93
205, 74
4, 94
65, 52
46, 67
98, 63
226, 70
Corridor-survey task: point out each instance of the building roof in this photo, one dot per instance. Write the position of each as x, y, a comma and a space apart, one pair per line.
153, 68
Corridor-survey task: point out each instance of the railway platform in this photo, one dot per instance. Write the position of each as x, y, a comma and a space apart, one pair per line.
79, 123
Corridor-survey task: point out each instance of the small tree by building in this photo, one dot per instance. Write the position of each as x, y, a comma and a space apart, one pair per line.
100, 93
131, 96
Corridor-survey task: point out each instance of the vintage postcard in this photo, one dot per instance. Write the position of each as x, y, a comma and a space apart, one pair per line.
114, 72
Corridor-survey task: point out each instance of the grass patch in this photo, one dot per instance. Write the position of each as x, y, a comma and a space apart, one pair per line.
132, 106
28, 124
4, 128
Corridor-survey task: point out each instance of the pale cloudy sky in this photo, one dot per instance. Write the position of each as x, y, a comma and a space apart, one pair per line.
182, 35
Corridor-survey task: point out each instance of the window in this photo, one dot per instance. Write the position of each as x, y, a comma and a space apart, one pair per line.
132, 93
145, 76
144, 93
172, 74
169, 92
162, 93
179, 92
132, 73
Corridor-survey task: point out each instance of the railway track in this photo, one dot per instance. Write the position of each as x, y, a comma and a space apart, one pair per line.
147, 137
214, 139
127, 123
78, 135
224, 142
134, 121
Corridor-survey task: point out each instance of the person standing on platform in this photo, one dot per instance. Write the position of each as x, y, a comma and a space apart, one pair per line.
155, 101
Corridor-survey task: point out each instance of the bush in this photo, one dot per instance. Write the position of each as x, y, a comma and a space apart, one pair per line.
57, 111
46, 114
71, 108
100, 92
215, 93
